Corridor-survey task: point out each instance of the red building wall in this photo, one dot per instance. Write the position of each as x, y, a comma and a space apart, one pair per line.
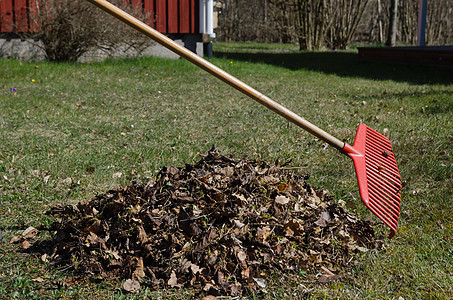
167, 16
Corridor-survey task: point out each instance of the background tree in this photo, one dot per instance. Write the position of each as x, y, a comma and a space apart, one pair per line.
392, 28
439, 23
344, 18
310, 21
241, 20
333, 24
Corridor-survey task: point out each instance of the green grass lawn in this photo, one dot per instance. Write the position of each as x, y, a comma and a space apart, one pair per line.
67, 131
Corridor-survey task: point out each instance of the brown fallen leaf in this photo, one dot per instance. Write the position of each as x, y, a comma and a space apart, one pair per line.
238, 224
195, 269
173, 281
260, 282
131, 286
30, 233
142, 236
96, 227
25, 244
328, 278
263, 233
139, 272
245, 274
236, 289
242, 257
15, 240
326, 271
282, 187
115, 254
240, 198
281, 200
321, 222
315, 256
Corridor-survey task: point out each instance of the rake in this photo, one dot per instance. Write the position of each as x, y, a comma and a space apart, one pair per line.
375, 165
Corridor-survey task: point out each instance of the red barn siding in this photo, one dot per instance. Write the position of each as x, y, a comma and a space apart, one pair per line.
167, 16
150, 13
161, 15
172, 16
20, 15
6, 13
195, 16
184, 16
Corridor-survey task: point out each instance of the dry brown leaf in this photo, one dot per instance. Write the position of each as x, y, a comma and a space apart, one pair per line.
15, 240
242, 256
238, 224
173, 281
195, 269
263, 233
326, 271
92, 238
315, 256
282, 187
281, 200
30, 233
240, 198
131, 286
139, 272
142, 236
328, 278
245, 274
96, 227
25, 244
325, 215
321, 222
115, 254
260, 282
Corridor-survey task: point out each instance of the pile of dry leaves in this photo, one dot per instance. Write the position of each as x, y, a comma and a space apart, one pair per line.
222, 225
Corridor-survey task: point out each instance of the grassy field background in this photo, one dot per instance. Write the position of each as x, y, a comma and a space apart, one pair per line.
70, 131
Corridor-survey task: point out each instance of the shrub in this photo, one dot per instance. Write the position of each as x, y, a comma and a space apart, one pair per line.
67, 29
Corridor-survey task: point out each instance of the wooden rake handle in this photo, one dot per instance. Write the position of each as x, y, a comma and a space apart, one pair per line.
217, 72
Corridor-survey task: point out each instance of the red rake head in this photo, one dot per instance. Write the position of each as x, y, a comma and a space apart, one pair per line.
377, 174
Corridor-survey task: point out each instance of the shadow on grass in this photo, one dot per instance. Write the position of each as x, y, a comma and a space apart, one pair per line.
347, 64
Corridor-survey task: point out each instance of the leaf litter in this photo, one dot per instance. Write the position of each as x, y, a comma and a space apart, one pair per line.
224, 226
